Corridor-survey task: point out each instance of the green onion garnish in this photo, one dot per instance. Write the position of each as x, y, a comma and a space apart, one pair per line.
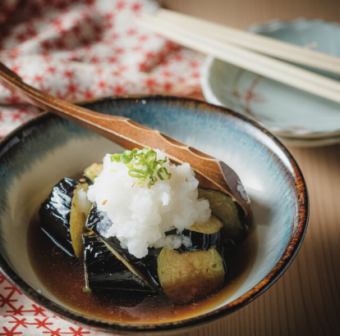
143, 165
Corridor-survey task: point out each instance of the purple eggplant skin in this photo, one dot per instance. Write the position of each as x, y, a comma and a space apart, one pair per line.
147, 265
104, 272
98, 222
54, 215
202, 241
199, 241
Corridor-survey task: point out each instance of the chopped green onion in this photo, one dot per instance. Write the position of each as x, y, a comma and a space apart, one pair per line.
143, 164
163, 173
115, 157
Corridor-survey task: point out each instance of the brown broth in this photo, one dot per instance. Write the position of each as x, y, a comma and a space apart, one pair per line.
64, 277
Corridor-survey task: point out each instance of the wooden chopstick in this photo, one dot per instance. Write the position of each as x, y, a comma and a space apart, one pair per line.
252, 61
261, 44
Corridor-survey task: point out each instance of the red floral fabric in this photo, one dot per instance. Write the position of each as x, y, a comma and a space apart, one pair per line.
80, 50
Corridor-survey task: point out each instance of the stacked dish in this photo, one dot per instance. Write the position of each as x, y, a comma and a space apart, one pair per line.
298, 118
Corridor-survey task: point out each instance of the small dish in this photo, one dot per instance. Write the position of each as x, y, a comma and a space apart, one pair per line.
286, 111
311, 143
35, 156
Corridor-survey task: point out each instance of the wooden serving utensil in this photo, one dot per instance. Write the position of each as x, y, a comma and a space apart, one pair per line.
212, 173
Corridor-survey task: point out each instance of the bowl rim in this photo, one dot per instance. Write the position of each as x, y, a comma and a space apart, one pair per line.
286, 258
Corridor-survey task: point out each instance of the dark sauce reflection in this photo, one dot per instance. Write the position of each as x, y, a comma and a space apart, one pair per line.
64, 277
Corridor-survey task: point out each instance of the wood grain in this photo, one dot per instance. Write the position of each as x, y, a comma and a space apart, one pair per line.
306, 300
242, 13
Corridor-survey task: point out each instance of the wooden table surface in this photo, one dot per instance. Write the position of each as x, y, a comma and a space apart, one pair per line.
306, 299
242, 13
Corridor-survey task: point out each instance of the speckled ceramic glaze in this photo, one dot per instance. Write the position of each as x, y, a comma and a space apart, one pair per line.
37, 155
286, 111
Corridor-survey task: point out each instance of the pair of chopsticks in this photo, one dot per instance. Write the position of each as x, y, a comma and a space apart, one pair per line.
255, 53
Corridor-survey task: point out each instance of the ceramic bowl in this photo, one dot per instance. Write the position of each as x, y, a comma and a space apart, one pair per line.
35, 156
286, 111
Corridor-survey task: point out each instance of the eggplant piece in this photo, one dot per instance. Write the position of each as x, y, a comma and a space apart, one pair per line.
203, 236
98, 222
92, 171
188, 276
78, 217
146, 266
235, 228
62, 218
106, 271
211, 226
55, 215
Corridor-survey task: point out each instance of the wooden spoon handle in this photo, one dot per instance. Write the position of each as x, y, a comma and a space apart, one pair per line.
212, 173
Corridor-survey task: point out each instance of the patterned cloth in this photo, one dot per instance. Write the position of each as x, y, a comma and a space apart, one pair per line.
80, 50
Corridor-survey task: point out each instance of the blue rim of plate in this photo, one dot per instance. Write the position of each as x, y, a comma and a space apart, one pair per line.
280, 267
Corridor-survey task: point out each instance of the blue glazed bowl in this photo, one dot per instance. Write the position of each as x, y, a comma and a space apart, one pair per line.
34, 157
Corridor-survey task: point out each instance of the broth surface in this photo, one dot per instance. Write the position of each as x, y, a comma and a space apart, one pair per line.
64, 277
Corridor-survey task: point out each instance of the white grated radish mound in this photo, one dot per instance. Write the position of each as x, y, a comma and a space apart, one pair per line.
141, 215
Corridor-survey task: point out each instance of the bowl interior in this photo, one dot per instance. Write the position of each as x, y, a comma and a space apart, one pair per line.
36, 156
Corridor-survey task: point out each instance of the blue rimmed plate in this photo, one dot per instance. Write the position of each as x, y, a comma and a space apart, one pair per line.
287, 112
